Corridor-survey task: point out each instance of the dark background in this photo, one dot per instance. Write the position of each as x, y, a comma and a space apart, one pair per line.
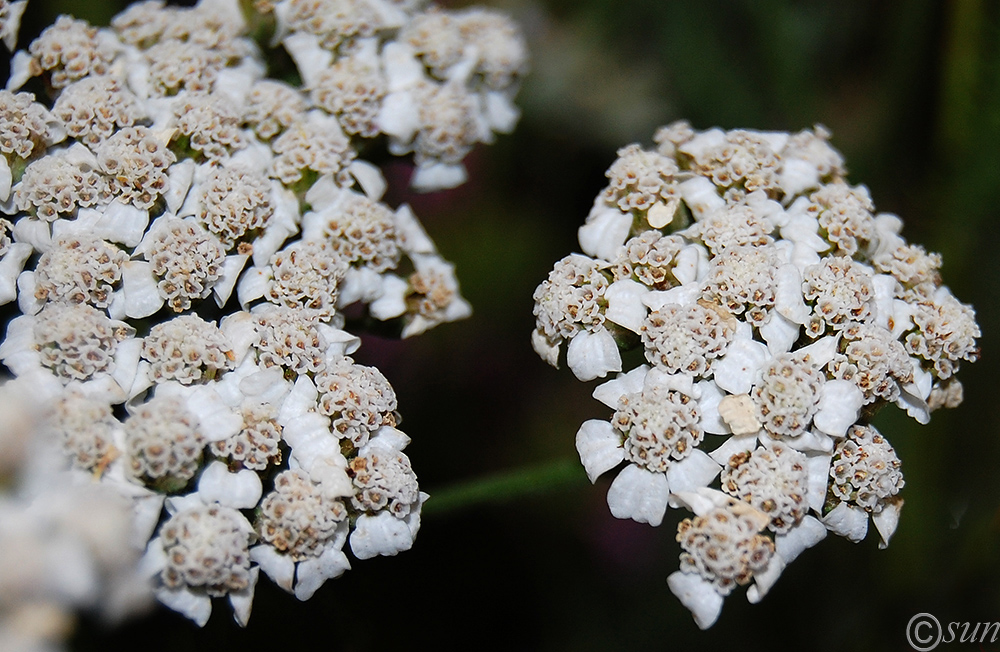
910, 91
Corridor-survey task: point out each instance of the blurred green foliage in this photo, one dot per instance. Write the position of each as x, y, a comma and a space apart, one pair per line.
911, 92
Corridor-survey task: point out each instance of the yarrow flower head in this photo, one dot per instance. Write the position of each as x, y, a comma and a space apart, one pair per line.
777, 312
189, 246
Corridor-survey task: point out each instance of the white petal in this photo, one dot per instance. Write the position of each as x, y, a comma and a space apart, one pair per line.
915, 407
661, 213
809, 441
339, 342
599, 446
240, 329
127, 362
887, 520
604, 232
146, 510
818, 466
402, 69
142, 298
383, 534
884, 286
736, 371
20, 70
679, 382
218, 421
388, 438
232, 265
820, 352
280, 568
300, 400
5, 179
639, 494
196, 607
240, 490
847, 521
701, 196
438, 176
695, 470
806, 534
34, 232
788, 299
840, 403
399, 116
392, 302
682, 295
24, 290
708, 406
122, 223
501, 113
592, 354
545, 350
359, 284
698, 595
690, 263
415, 239
310, 57
312, 573
625, 306
765, 579
704, 499
629, 383
802, 229
180, 175
369, 177
779, 332
242, 601
797, 176
733, 446
252, 285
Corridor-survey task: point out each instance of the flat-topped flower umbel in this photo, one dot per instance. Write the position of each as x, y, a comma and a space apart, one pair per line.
777, 313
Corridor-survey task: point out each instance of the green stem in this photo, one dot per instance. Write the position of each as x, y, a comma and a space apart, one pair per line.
507, 486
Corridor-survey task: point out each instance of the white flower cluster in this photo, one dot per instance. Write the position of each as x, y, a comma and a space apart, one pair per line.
66, 544
777, 313
183, 239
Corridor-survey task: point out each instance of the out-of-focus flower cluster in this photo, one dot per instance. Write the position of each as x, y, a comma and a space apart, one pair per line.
767, 312
66, 544
183, 236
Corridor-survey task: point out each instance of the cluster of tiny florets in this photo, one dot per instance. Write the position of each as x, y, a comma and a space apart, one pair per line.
235, 203
207, 547
660, 427
383, 482
60, 184
187, 349
297, 518
865, 469
773, 480
75, 341
686, 339
358, 399
186, 260
24, 124
189, 248
571, 298
87, 428
724, 548
773, 307
163, 441
80, 269
136, 163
